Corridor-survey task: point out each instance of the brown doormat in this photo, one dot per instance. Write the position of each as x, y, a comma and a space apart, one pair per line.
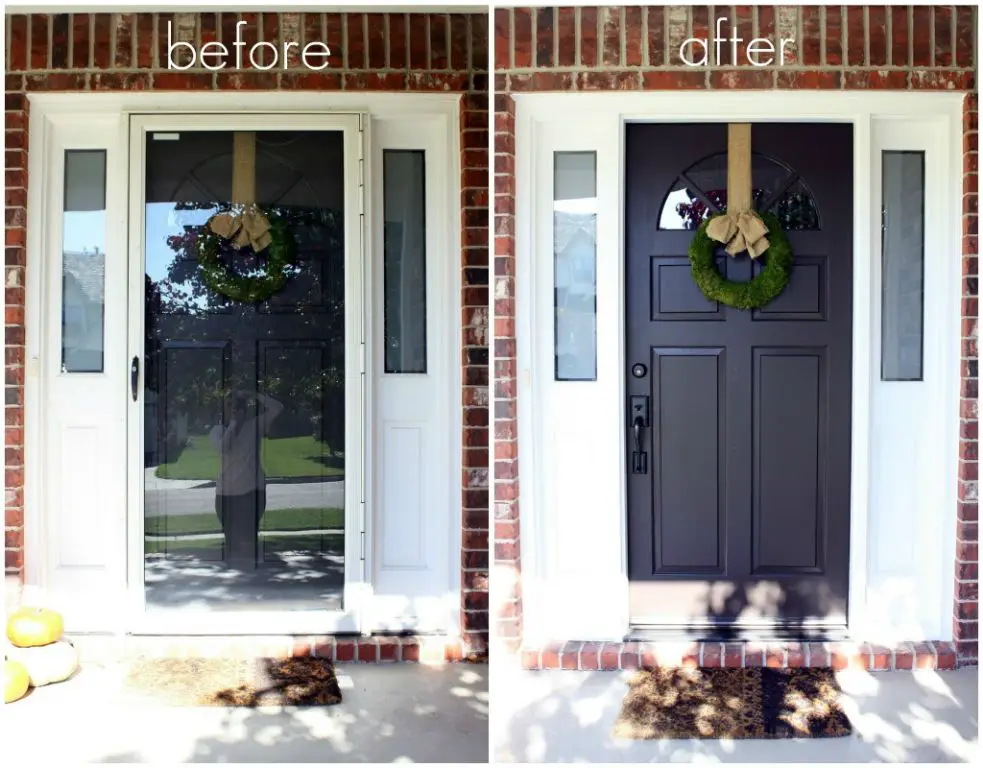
674, 703
235, 682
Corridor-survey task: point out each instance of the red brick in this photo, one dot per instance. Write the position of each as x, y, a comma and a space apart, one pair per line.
611, 28
610, 656
631, 656
18, 52
712, 655
102, 40
943, 36
566, 35
590, 656
344, 650
940, 80
588, 37
811, 39
925, 657
60, 25
734, 655
39, 41
834, 35
503, 38
776, 657
607, 81
809, 79
656, 36
145, 39
741, 79
855, 35
544, 37
964, 36
182, 81
921, 55
882, 658
670, 81
633, 36
439, 53
881, 79
899, 36
570, 656
522, 45
743, 19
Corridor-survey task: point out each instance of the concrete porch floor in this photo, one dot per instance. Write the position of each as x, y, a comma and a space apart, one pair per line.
389, 712
561, 716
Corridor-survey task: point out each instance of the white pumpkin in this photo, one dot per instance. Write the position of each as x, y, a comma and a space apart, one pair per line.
47, 664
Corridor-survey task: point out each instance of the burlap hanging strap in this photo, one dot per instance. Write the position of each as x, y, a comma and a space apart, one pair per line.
741, 229
246, 224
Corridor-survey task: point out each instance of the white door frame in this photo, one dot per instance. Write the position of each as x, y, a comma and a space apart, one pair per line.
567, 524
432, 122
179, 621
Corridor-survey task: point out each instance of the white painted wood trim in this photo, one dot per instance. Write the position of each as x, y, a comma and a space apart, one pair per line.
542, 126
313, 110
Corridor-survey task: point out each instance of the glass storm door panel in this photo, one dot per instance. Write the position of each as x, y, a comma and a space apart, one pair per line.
244, 401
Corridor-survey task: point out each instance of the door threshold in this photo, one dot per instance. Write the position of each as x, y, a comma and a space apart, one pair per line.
651, 634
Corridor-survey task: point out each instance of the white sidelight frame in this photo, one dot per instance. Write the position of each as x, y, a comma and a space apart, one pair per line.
118, 122
573, 502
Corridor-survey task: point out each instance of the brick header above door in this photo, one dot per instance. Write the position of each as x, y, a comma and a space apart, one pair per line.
632, 47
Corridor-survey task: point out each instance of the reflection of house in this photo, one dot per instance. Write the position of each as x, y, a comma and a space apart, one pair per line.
82, 313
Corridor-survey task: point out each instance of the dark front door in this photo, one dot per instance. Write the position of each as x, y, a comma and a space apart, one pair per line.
740, 521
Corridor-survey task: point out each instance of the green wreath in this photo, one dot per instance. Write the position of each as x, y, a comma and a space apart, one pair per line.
250, 290
755, 293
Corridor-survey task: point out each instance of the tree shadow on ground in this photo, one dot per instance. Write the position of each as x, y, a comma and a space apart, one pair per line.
897, 717
390, 713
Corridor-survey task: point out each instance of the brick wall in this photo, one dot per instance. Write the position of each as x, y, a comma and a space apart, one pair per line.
390, 52
633, 48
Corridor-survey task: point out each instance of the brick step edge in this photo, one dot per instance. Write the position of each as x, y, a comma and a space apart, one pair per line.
429, 649
591, 656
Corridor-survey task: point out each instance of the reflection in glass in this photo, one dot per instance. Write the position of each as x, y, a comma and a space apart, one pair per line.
686, 204
575, 265
405, 256
903, 264
83, 261
244, 404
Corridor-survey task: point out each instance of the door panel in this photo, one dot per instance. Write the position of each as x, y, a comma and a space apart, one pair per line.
742, 517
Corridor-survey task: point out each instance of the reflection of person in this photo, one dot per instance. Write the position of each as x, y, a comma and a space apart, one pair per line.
240, 492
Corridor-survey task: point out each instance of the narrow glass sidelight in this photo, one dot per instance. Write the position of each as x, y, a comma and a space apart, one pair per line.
903, 265
83, 298
404, 261
575, 265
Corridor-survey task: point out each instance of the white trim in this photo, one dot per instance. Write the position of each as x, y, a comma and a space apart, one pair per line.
315, 111
542, 125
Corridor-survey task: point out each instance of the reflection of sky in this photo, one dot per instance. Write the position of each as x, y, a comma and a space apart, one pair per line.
670, 218
163, 220
85, 231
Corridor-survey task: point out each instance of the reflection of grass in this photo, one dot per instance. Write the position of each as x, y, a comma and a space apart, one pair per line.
274, 520
283, 457
269, 545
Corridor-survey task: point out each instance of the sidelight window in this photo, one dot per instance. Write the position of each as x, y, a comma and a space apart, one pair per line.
575, 265
405, 257
902, 264
83, 261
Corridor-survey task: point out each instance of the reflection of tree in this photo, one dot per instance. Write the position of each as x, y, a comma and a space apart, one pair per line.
796, 209
180, 307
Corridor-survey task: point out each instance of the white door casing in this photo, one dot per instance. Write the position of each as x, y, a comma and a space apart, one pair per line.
572, 503
431, 587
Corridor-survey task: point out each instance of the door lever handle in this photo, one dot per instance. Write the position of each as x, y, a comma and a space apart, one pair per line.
637, 427
135, 377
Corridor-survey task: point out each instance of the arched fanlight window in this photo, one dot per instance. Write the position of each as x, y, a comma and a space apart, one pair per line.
701, 191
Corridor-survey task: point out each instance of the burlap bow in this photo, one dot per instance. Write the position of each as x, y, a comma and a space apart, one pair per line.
743, 231
247, 226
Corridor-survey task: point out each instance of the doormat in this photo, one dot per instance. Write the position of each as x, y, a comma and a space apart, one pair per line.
254, 682
677, 703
